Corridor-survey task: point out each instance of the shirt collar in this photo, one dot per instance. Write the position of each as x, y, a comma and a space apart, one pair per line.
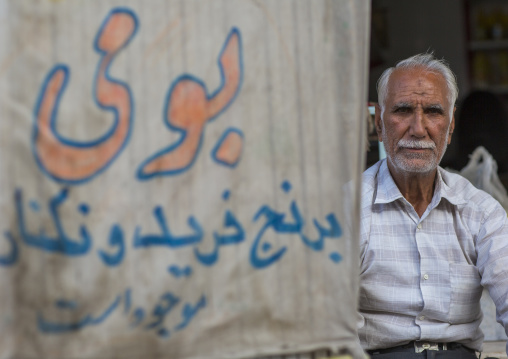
448, 189
387, 190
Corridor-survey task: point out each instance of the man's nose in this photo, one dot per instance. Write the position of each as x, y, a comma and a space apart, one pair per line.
417, 126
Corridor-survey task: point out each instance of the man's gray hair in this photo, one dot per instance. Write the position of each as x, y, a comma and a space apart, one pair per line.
426, 62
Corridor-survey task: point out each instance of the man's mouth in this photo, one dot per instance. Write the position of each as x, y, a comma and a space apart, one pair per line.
415, 148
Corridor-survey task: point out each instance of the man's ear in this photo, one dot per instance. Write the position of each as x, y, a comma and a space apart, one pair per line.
377, 121
452, 126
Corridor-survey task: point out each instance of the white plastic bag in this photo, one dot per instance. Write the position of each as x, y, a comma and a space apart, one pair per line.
481, 171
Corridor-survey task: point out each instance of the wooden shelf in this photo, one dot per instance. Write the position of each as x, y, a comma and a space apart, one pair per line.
488, 45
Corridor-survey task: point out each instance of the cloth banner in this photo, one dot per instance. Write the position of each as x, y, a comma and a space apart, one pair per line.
172, 177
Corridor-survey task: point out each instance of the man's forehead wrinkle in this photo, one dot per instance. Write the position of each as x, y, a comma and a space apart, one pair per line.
408, 90
425, 80
407, 94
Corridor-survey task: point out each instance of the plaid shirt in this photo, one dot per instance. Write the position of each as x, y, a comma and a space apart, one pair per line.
422, 278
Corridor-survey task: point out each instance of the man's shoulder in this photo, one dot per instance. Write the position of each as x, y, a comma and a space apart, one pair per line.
458, 188
461, 189
369, 184
369, 177
455, 179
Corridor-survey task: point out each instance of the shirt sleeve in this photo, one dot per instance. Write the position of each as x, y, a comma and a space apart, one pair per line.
492, 260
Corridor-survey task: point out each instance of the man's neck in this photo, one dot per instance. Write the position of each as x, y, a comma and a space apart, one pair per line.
417, 188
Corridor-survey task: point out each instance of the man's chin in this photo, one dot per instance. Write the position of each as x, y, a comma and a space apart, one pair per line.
414, 165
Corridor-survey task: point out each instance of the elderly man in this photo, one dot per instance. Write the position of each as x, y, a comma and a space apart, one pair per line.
429, 239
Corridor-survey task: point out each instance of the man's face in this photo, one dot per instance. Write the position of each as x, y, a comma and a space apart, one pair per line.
417, 120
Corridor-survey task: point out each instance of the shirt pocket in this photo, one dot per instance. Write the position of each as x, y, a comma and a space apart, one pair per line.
466, 291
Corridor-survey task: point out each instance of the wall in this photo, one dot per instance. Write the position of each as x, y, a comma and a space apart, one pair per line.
419, 26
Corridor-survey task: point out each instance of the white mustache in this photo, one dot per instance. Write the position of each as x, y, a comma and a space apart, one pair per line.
416, 144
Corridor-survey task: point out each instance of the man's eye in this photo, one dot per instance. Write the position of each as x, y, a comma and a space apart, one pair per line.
402, 110
435, 111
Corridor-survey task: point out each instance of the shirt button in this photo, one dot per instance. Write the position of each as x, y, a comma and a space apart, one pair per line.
419, 226
425, 276
422, 317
